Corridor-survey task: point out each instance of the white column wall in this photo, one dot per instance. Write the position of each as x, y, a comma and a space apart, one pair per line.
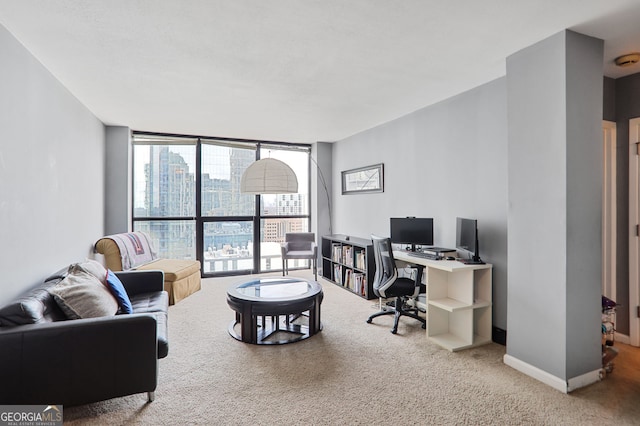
555, 172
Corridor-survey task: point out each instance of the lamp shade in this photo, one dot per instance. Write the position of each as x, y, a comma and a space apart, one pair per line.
269, 176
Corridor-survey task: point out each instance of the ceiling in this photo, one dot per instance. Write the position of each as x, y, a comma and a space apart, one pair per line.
292, 70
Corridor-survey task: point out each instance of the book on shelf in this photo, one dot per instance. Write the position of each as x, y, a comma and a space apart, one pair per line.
358, 283
336, 252
348, 279
361, 259
347, 255
337, 274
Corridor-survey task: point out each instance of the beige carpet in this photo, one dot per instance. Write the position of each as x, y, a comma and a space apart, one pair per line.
352, 373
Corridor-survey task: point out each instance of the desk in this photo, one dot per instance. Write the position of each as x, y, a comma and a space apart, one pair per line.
459, 300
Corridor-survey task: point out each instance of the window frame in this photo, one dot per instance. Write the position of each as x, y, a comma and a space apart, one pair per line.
151, 138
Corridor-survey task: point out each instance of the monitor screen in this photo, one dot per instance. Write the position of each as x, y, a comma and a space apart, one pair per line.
412, 231
467, 236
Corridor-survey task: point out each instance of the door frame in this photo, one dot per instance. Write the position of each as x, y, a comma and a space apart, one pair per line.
634, 239
609, 210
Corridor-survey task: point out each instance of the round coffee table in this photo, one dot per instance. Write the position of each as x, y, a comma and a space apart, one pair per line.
264, 309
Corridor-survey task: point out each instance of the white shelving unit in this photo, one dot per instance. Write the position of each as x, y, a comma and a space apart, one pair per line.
459, 302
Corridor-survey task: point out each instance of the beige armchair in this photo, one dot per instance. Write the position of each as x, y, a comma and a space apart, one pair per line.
300, 245
133, 251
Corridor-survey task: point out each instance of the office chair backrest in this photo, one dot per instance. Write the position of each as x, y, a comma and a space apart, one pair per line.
386, 272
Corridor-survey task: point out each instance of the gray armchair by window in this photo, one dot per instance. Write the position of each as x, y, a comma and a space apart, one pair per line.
300, 245
387, 283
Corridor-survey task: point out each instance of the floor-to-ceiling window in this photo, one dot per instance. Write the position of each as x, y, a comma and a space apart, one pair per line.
164, 194
186, 196
227, 215
282, 213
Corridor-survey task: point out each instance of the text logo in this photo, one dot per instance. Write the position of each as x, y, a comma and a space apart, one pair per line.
30, 415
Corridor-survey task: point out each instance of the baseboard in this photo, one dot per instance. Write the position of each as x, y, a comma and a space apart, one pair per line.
538, 374
622, 338
583, 380
551, 380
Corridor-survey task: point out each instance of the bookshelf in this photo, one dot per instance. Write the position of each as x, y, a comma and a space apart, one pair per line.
348, 262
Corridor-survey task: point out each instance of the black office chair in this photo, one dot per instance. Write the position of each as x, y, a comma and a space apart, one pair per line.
386, 283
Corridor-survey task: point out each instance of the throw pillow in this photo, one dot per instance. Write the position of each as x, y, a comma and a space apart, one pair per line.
81, 295
92, 267
119, 292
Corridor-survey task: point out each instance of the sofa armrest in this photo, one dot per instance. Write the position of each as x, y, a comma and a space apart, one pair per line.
138, 282
78, 361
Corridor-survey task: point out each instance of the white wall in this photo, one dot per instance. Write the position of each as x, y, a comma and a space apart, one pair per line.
443, 161
51, 173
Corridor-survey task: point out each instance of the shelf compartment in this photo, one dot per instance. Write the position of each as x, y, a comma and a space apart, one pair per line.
452, 305
454, 343
458, 285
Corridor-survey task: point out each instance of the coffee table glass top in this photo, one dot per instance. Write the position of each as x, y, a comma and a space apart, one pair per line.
274, 288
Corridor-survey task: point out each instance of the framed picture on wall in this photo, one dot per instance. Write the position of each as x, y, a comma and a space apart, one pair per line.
363, 179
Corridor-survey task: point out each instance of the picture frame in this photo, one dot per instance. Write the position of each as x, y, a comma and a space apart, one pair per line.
363, 179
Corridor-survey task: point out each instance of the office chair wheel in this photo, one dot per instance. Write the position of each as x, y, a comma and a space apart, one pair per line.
369, 321
424, 326
394, 331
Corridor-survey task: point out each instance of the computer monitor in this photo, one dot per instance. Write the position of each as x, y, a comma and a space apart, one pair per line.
467, 238
412, 231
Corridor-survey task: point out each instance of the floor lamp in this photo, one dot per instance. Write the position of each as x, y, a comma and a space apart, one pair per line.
268, 176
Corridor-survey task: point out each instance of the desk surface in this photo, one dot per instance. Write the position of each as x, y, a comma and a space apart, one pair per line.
445, 265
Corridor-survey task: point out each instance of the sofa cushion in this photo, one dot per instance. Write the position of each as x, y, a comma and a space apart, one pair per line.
119, 292
36, 306
156, 304
81, 295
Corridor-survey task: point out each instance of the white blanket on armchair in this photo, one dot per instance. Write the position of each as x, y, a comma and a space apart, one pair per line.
135, 249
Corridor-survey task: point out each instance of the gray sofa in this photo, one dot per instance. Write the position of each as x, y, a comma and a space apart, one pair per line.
46, 358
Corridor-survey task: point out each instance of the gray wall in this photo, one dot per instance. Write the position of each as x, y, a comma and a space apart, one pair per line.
321, 189
555, 189
443, 161
51, 172
118, 187
609, 99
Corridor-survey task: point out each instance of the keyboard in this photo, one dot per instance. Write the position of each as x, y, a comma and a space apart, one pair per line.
424, 255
